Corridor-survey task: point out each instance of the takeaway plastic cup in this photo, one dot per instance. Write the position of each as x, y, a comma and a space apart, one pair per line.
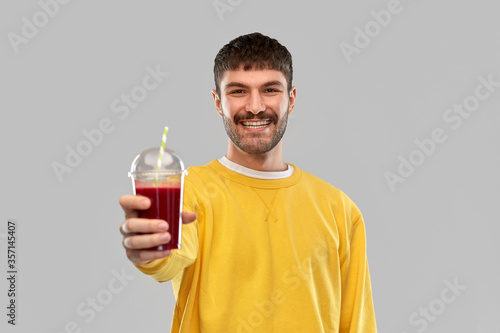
164, 187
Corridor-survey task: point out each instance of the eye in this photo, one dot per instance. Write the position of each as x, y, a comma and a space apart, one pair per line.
238, 91
271, 90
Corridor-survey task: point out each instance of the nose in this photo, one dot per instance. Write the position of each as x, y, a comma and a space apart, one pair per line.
255, 104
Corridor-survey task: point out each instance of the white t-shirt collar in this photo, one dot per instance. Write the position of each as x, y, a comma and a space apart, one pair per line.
255, 173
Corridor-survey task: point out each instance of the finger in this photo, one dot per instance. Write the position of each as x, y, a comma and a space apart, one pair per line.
124, 229
141, 257
137, 242
188, 217
131, 203
137, 225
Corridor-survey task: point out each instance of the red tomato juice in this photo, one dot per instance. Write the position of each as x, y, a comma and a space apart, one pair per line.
165, 205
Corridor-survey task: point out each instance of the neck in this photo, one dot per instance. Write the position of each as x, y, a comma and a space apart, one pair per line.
270, 161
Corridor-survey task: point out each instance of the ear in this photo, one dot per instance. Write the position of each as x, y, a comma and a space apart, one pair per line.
217, 102
291, 100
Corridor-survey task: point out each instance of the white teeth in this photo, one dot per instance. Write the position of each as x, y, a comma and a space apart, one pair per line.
255, 124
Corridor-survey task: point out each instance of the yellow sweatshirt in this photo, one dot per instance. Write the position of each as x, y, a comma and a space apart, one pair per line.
282, 255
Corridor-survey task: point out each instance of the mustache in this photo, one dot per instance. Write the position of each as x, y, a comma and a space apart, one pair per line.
259, 116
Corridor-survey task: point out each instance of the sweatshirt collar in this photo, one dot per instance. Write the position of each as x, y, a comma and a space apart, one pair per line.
229, 174
255, 173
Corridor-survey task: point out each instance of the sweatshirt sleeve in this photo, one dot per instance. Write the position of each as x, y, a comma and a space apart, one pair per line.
166, 269
357, 311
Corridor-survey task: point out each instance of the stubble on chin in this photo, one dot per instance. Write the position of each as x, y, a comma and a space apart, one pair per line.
253, 142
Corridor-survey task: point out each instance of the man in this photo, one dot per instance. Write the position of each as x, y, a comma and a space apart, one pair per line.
266, 246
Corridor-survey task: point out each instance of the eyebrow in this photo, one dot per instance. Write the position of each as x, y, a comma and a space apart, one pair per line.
241, 85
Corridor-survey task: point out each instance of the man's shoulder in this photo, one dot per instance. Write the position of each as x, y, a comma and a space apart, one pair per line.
325, 189
309, 178
202, 174
201, 170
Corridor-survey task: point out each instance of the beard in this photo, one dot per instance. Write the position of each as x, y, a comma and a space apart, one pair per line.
255, 143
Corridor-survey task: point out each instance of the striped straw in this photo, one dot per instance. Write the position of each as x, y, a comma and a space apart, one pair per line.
160, 155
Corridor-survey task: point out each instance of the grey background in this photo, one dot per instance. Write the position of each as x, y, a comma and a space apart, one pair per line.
351, 122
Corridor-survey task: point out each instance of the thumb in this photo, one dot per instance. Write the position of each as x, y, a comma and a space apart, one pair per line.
188, 217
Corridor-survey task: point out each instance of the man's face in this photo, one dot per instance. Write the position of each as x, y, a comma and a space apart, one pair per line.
254, 106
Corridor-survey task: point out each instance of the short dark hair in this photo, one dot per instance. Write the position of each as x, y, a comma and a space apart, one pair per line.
253, 51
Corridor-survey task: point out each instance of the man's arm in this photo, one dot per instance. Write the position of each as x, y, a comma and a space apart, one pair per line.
357, 311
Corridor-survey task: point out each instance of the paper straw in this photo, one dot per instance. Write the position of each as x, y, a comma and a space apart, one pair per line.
160, 154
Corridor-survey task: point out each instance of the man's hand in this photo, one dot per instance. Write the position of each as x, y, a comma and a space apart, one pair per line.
140, 234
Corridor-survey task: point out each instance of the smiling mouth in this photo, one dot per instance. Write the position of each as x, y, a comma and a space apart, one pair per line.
256, 124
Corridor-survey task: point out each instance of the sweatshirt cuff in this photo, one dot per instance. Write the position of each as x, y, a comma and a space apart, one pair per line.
161, 271
153, 266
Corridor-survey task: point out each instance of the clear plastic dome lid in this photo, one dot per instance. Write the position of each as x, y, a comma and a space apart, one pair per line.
146, 163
